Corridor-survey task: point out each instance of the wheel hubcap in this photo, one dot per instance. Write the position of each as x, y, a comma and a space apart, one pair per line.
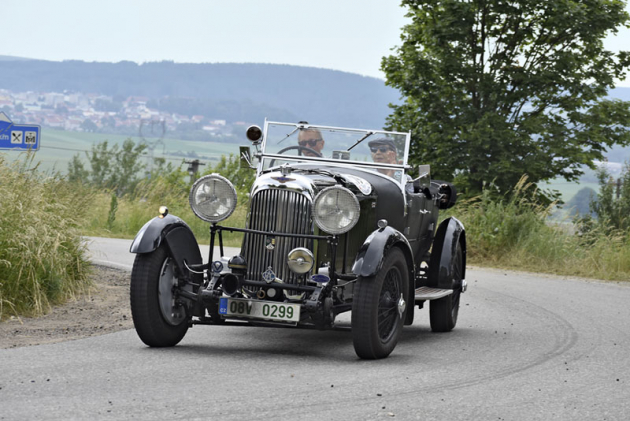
173, 314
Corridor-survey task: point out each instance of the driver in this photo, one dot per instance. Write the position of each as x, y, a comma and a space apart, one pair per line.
312, 139
384, 151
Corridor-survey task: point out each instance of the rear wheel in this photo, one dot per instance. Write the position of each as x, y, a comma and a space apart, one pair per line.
443, 312
378, 308
158, 319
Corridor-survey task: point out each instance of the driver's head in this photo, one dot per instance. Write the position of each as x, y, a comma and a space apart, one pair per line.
311, 139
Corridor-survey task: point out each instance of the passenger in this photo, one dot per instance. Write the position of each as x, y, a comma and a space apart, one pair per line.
384, 151
311, 139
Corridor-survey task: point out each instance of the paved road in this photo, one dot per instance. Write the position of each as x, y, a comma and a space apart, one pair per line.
526, 347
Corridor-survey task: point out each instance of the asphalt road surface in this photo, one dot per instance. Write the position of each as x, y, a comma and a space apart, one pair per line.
526, 347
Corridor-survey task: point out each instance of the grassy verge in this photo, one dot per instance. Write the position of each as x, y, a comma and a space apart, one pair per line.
42, 258
513, 232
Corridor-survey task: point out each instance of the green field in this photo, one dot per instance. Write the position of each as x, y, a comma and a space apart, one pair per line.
57, 148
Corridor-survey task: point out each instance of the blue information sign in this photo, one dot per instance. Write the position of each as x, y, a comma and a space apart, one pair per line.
18, 136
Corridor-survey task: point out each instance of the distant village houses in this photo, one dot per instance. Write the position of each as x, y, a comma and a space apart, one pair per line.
74, 111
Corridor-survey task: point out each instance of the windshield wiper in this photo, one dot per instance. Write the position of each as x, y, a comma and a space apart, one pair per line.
368, 134
289, 135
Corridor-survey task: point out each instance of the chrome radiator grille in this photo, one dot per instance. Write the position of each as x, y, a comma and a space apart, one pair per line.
282, 211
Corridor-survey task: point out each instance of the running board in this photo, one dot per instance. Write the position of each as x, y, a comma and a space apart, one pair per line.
428, 293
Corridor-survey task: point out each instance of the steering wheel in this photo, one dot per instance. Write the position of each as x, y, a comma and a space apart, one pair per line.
299, 148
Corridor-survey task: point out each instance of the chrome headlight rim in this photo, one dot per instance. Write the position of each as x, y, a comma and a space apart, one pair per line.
231, 195
354, 203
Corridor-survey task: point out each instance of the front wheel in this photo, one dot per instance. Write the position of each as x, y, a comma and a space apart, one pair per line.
378, 308
159, 320
443, 312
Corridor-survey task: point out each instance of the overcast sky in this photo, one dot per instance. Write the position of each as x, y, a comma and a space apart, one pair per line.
347, 35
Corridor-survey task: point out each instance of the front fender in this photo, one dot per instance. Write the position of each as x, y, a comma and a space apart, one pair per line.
152, 233
449, 234
372, 253
179, 238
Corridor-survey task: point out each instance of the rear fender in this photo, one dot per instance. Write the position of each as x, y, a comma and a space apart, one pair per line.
372, 253
448, 235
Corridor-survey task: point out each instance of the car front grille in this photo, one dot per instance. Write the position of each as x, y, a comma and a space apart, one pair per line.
282, 211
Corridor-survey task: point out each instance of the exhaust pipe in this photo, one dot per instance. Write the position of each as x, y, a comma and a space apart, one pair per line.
231, 284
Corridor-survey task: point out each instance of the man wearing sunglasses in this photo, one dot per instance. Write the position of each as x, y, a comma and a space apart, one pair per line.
311, 139
384, 151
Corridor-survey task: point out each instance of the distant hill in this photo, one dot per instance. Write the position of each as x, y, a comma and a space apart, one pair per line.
237, 92
13, 58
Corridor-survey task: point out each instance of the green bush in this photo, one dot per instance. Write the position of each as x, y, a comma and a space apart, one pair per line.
42, 258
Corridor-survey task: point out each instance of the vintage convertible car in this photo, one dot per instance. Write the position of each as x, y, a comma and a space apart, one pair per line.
337, 222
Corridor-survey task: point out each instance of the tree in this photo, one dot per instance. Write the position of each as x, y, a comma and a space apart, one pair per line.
494, 89
76, 170
101, 158
127, 166
580, 203
110, 168
612, 206
89, 126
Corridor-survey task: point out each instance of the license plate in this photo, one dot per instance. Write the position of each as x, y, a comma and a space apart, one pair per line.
264, 310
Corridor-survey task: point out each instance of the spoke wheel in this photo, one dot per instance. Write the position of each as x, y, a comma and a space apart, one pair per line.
378, 308
443, 312
158, 320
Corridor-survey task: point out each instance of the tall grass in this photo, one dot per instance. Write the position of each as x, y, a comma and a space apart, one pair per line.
134, 210
42, 258
513, 231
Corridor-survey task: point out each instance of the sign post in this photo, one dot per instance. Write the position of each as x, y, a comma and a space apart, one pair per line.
21, 137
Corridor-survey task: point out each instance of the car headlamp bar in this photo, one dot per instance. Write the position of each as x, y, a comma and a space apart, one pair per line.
277, 234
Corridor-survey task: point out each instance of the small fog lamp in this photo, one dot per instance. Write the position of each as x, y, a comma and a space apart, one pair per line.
300, 260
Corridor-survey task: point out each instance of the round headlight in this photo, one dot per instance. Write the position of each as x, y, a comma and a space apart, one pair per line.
300, 260
212, 198
336, 210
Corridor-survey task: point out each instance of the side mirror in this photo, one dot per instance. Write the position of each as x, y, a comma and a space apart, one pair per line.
423, 181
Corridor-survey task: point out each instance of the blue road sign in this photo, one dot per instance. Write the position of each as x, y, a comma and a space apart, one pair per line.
18, 136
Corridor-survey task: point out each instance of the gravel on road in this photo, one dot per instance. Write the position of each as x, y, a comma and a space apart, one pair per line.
104, 310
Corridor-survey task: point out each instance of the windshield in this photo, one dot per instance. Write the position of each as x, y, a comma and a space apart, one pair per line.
375, 150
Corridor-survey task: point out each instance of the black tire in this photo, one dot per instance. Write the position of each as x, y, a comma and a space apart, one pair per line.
376, 319
156, 325
443, 312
